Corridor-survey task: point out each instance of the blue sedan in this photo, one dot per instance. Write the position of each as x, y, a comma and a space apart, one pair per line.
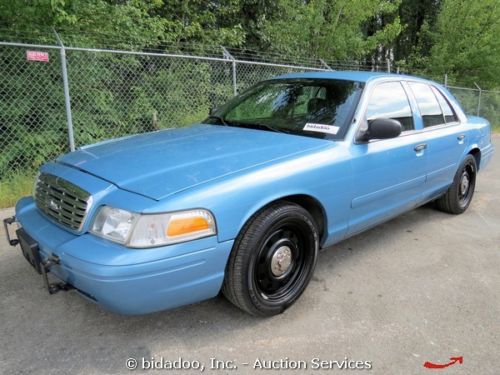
242, 202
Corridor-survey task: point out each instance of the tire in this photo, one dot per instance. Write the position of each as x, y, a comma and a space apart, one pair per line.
273, 260
459, 195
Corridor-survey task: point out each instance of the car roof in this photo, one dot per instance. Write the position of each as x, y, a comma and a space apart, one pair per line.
349, 75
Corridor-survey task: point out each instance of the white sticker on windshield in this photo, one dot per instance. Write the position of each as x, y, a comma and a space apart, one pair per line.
321, 128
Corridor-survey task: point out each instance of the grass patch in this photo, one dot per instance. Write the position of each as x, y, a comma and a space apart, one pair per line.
15, 186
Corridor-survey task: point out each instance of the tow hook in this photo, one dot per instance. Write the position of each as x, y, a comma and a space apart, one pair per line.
6, 223
53, 288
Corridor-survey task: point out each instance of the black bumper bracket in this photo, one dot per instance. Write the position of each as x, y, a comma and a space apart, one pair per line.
53, 288
6, 223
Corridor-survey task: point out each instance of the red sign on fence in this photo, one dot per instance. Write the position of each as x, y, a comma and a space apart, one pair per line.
37, 56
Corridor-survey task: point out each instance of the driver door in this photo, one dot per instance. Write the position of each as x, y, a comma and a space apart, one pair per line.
388, 175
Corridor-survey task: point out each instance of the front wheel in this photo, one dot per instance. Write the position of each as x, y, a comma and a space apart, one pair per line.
273, 260
459, 195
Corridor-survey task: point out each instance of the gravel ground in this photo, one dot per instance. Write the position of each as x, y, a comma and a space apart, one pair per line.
422, 287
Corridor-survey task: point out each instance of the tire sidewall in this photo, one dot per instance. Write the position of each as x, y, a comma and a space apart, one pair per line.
266, 222
468, 162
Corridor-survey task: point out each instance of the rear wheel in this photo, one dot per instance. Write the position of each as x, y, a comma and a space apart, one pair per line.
273, 260
459, 195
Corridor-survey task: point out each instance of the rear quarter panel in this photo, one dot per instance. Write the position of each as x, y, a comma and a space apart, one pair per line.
479, 130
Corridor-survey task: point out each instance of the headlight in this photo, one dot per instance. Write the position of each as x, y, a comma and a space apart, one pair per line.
114, 224
151, 230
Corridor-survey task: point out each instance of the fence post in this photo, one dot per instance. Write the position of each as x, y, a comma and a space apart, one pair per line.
325, 65
388, 65
446, 80
67, 99
478, 99
228, 56
235, 86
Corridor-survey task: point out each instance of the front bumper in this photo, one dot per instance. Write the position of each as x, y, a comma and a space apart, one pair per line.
123, 280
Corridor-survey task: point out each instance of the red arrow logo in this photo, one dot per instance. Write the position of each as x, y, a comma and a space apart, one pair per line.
453, 360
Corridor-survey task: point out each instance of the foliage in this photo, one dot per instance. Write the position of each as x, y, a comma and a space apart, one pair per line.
466, 45
333, 30
123, 23
431, 37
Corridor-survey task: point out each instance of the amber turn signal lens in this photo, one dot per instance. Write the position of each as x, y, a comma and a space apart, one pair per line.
180, 226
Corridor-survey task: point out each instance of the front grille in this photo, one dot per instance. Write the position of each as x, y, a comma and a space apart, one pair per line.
61, 201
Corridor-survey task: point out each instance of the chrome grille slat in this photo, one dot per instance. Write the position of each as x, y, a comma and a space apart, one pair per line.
74, 219
62, 201
62, 220
69, 206
63, 196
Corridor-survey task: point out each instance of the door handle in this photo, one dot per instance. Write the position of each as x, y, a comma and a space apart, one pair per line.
461, 137
420, 147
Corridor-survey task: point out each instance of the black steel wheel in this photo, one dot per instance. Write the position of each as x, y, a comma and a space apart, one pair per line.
459, 196
273, 260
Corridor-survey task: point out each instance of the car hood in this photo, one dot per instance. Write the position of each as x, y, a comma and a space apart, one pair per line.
165, 162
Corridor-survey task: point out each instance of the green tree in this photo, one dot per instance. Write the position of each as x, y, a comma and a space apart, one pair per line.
465, 43
137, 23
332, 30
416, 16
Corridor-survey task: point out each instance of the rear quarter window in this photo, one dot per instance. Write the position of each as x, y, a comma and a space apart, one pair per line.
449, 114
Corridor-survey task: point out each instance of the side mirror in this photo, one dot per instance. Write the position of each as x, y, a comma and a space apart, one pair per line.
382, 128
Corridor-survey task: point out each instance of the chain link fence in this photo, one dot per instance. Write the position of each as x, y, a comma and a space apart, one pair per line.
32, 111
116, 93
478, 102
112, 94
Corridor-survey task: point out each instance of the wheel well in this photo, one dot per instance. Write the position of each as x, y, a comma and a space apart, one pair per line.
477, 155
313, 207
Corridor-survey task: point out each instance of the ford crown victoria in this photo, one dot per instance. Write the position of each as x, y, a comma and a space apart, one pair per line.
242, 202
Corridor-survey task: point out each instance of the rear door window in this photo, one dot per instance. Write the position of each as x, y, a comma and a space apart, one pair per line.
428, 105
389, 100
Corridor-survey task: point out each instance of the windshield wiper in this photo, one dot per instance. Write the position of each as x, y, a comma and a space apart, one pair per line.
260, 125
219, 118
248, 124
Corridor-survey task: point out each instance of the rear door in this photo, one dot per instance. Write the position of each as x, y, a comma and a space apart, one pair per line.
445, 138
388, 175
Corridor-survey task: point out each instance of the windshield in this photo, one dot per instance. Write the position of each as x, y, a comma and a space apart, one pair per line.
311, 107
